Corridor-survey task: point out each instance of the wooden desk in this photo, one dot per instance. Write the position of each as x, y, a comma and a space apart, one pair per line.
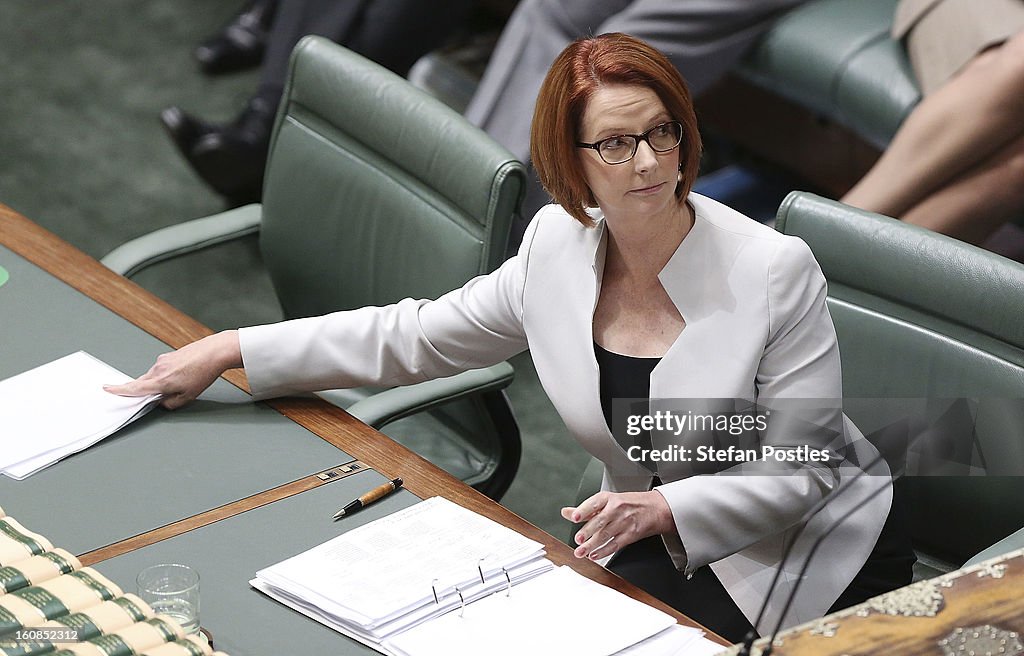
976, 610
332, 424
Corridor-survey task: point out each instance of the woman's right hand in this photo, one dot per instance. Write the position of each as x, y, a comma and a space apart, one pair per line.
180, 376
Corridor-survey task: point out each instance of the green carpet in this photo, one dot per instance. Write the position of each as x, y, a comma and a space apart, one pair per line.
83, 154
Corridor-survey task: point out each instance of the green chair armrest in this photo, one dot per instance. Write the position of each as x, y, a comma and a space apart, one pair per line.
133, 256
1010, 543
397, 402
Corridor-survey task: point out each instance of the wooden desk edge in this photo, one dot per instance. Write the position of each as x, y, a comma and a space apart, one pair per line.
916, 619
168, 324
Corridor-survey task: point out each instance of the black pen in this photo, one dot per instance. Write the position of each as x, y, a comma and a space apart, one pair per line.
364, 500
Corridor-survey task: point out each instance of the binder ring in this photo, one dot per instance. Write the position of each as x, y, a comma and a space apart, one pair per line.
508, 589
433, 586
462, 602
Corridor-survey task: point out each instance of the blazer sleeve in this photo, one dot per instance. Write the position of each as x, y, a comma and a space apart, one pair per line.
799, 373
477, 325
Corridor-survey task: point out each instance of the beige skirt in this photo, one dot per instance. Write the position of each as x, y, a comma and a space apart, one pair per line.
943, 35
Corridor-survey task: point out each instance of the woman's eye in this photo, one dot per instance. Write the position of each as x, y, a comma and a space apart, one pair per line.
614, 143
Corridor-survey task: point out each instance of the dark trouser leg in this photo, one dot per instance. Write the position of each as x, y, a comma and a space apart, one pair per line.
394, 33
646, 564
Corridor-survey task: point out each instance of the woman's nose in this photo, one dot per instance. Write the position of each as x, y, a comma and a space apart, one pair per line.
645, 158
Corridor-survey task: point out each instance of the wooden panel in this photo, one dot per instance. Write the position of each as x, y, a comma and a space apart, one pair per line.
228, 510
986, 594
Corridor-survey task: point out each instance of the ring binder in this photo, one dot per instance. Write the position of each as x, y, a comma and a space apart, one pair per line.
483, 581
508, 589
371, 583
462, 602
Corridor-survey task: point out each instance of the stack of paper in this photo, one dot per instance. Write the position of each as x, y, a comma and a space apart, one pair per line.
561, 612
438, 579
60, 408
383, 577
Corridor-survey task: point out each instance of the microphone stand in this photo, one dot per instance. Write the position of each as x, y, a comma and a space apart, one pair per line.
814, 548
748, 640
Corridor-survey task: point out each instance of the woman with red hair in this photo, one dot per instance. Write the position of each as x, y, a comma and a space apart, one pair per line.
630, 287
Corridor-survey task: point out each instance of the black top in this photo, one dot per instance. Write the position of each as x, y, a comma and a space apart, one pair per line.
704, 598
625, 377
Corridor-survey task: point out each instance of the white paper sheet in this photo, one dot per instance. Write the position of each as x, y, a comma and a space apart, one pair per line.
560, 612
677, 640
60, 408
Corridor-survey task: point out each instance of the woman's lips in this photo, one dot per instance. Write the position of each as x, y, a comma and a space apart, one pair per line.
646, 191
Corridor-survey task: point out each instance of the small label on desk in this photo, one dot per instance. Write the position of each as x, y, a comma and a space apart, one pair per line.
341, 471
4, 276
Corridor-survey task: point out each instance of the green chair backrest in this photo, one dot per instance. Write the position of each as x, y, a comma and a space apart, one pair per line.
374, 191
921, 315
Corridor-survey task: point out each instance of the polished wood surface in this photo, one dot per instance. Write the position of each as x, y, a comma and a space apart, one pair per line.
223, 512
924, 618
163, 321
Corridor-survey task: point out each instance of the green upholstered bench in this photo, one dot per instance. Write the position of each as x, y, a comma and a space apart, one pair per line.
837, 58
820, 94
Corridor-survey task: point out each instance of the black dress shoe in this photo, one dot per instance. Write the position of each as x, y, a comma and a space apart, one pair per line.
184, 129
231, 159
240, 44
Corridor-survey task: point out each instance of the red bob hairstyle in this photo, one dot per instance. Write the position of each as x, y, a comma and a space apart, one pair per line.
582, 68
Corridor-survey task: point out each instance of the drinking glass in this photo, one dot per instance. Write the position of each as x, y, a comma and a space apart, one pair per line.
173, 590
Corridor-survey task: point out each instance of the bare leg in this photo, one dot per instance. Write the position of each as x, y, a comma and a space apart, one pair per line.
964, 123
974, 205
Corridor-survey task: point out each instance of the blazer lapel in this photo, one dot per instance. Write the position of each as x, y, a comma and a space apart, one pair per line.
696, 278
563, 350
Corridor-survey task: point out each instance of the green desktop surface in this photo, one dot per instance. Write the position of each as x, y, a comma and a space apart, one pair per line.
165, 467
228, 553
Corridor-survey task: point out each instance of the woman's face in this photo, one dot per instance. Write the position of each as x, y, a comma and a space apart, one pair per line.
645, 185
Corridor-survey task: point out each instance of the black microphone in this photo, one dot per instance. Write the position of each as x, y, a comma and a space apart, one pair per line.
748, 640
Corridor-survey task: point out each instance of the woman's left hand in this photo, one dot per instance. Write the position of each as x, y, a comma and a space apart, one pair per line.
616, 519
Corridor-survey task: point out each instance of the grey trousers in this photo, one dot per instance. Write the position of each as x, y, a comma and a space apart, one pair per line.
703, 38
393, 33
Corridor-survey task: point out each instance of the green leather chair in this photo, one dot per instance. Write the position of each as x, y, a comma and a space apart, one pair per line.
375, 192
921, 315
837, 58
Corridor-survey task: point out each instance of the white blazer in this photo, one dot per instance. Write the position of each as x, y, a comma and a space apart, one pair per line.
756, 328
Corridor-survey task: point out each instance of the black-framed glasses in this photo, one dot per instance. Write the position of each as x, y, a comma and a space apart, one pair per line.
621, 148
